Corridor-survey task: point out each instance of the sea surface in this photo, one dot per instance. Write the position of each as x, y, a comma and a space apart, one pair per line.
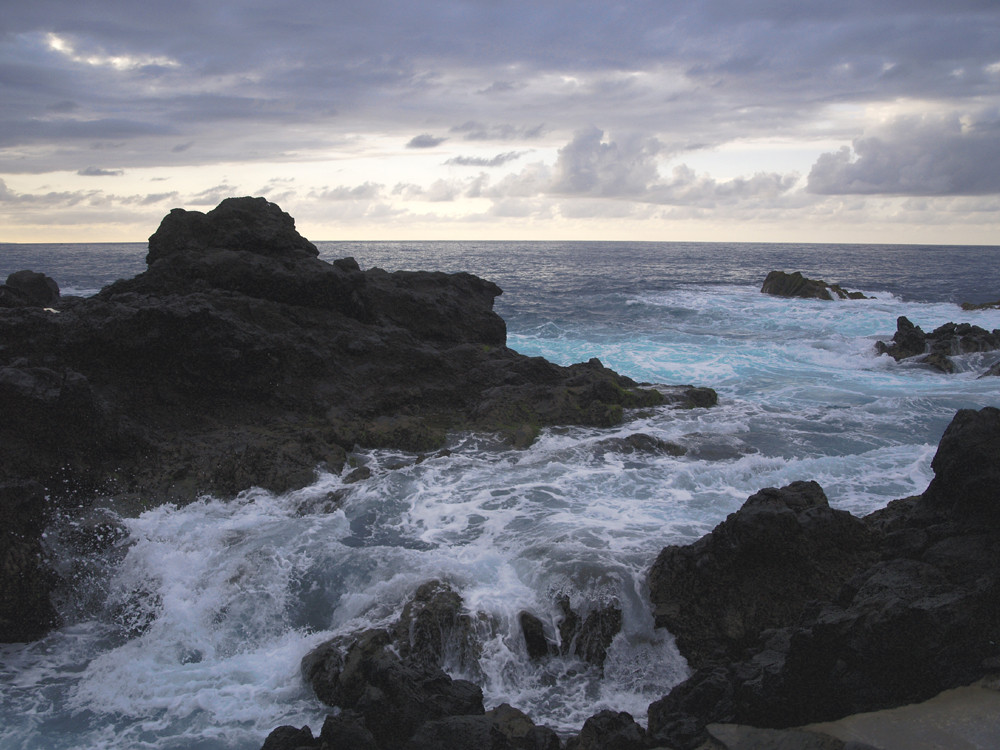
189, 633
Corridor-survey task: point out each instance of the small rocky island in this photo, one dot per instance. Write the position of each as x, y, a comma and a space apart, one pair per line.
782, 284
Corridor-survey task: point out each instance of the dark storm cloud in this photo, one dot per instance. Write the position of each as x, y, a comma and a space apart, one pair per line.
425, 140
98, 172
479, 161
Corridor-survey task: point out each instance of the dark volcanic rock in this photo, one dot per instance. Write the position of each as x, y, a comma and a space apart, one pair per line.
395, 696
433, 627
849, 627
938, 346
782, 284
967, 467
981, 305
240, 359
609, 730
503, 728
29, 289
758, 569
25, 578
535, 641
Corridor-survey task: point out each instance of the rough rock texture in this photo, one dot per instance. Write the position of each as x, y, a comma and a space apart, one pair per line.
394, 696
240, 359
917, 611
609, 730
503, 728
782, 284
937, 347
434, 628
25, 580
29, 289
758, 569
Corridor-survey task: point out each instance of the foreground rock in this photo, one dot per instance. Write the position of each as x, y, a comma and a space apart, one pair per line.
392, 691
240, 359
793, 613
782, 284
936, 348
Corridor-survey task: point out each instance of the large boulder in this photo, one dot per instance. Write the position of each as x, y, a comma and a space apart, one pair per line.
29, 289
394, 696
238, 224
758, 569
26, 579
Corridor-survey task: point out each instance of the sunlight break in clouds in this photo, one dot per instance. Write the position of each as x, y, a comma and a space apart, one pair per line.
693, 120
118, 62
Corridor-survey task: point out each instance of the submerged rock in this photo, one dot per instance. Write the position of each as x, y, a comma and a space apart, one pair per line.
793, 613
782, 284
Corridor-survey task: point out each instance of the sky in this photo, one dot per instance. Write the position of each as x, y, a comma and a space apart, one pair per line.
718, 120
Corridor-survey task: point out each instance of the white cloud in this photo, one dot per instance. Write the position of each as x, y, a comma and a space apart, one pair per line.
589, 165
930, 155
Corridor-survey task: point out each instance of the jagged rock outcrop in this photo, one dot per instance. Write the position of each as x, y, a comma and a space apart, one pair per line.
390, 686
239, 359
782, 284
937, 347
981, 305
911, 610
758, 569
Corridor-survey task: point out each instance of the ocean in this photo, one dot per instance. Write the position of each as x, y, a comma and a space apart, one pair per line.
232, 594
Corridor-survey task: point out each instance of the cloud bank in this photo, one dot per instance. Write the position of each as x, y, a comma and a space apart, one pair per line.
856, 115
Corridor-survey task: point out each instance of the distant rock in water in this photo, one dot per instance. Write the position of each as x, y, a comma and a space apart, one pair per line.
981, 305
937, 347
782, 284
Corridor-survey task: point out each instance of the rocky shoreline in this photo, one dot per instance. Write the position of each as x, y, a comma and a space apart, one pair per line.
240, 359
789, 612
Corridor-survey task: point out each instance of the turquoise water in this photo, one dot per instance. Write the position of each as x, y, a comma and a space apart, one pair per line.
234, 593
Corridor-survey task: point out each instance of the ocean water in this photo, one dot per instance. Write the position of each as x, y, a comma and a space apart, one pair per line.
188, 633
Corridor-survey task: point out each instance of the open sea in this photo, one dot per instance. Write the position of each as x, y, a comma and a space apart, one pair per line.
236, 592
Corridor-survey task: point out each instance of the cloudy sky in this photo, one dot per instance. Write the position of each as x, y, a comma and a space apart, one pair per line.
763, 120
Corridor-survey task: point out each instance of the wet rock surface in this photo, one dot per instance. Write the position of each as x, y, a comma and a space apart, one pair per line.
782, 284
906, 610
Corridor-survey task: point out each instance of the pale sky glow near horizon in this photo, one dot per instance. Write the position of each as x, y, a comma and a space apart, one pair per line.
716, 120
